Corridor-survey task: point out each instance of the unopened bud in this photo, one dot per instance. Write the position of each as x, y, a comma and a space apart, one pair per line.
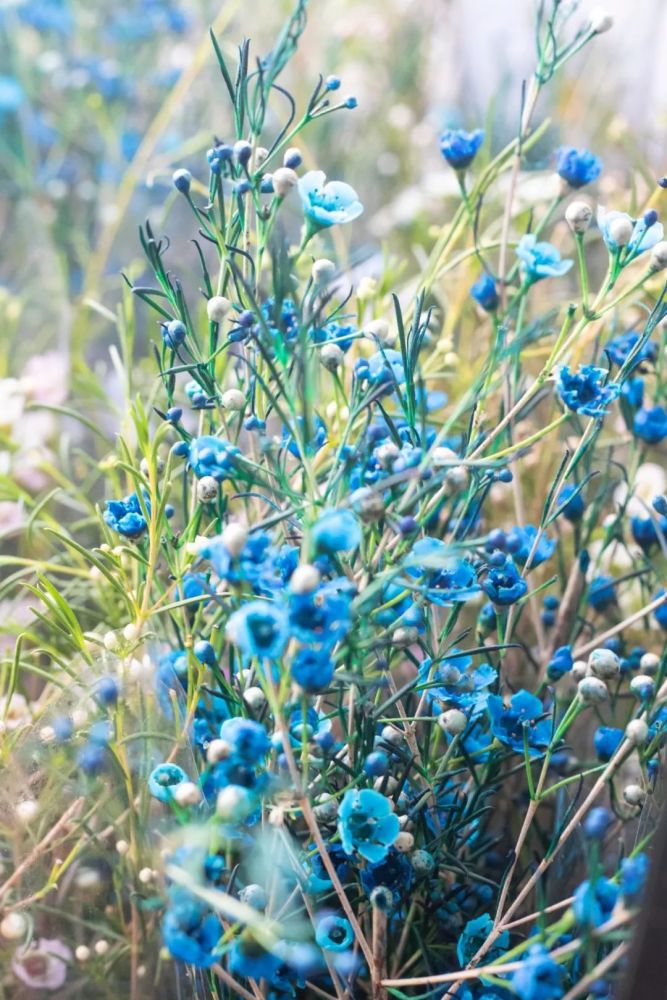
578, 215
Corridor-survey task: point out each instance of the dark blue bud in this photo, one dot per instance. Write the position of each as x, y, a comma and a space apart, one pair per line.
407, 525
242, 151
246, 318
266, 184
242, 187
663, 182
91, 758
659, 505
198, 399
169, 511
181, 448
174, 414
205, 652
107, 691
497, 559
332, 82
173, 333
351, 103
505, 476
292, 159
376, 764
182, 180
650, 218
598, 822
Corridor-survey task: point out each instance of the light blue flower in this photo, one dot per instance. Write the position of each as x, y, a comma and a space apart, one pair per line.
260, 629
540, 259
329, 204
336, 531
643, 237
366, 824
164, 780
212, 456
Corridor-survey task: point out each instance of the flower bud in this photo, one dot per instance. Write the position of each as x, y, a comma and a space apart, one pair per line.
331, 357
649, 663
578, 215
233, 399
453, 721
234, 804
658, 259
642, 686
234, 537
592, 690
82, 953
604, 663
621, 230
579, 670
637, 732
442, 457
182, 180
323, 271
368, 504
423, 862
405, 636
304, 579
110, 641
378, 329
217, 750
634, 795
404, 842
254, 698
146, 875
13, 926
187, 794
27, 810
101, 947
600, 20
390, 734
122, 847
456, 479
292, 158
217, 308
207, 489
284, 179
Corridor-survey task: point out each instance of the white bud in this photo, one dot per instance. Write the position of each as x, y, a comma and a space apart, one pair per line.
600, 20
331, 357
621, 230
453, 721
634, 795
187, 794
379, 329
592, 690
101, 947
323, 271
579, 670
456, 479
304, 579
79, 717
642, 686
261, 154
637, 732
217, 750
234, 537
122, 847
387, 454
405, 636
284, 179
233, 399
441, 457
649, 663
110, 641
207, 489
254, 698
234, 803
13, 926
326, 809
604, 663
390, 734
217, 308
578, 215
146, 875
389, 784
141, 971
131, 632
47, 734
27, 810
658, 259
404, 842
367, 288
82, 953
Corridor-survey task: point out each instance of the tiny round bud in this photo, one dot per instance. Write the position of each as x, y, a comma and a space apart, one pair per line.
326, 809
387, 785
649, 663
27, 810
621, 230
47, 734
254, 698
122, 847
261, 153
217, 308
82, 953
423, 862
592, 690
217, 750
579, 670
141, 971
253, 895
242, 151
284, 179
604, 663
182, 180
304, 579
390, 734
234, 803
658, 259
387, 454
634, 795
405, 636
146, 875
367, 288
642, 686
456, 479
234, 537
382, 898
404, 842
442, 457
600, 20
331, 357
637, 732
578, 215
368, 504
110, 641
101, 947
13, 926
207, 489
187, 794
292, 158
323, 271
131, 632
453, 721
379, 329
233, 399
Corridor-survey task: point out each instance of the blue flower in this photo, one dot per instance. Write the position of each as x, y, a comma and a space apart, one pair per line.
474, 935
334, 933
645, 530
212, 456
571, 500
452, 683
329, 204
632, 392
650, 424
259, 628
606, 741
621, 347
601, 593
520, 542
323, 616
459, 147
485, 293
583, 391
577, 166
504, 584
11, 95
643, 237
336, 531
540, 259
164, 780
257, 564
509, 723
633, 876
561, 663
247, 739
594, 902
394, 873
312, 669
661, 611
444, 578
366, 824
382, 368
190, 931
249, 959
126, 517
539, 977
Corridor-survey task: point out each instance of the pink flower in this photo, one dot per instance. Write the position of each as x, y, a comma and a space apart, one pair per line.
44, 378
43, 966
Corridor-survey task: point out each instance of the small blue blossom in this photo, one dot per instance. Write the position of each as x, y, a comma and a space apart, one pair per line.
607, 740
650, 424
126, 516
633, 876
247, 739
601, 593
452, 683
191, 931
394, 873
334, 933
485, 293
329, 204
520, 541
621, 347
211, 456
594, 902
523, 715
367, 824
260, 629
459, 147
249, 959
583, 391
444, 578
336, 531
312, 669
540, 259
577, 167
561, 663
647, 531
474, 935
323, 616
164, 780
503, 584
660, 612
539, 977
571, 500
643, 237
